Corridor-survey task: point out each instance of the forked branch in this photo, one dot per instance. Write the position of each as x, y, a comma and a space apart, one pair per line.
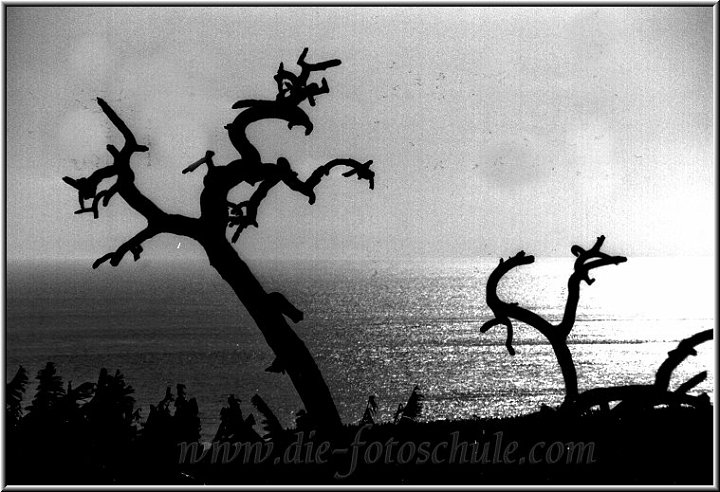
638, 397
244, 214
676, 356
125, 187
292, 89
132, 245
556, 334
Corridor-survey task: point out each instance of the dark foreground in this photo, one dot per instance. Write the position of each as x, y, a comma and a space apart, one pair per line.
651, 446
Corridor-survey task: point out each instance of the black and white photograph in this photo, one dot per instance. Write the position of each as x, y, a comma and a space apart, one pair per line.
362, 244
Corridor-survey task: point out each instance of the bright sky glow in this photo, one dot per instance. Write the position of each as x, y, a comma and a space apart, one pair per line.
491, 129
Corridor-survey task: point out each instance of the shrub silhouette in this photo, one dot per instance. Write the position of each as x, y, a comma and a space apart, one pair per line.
412, 409
49, 395
271, 424
649, 444
14, 392
233, 426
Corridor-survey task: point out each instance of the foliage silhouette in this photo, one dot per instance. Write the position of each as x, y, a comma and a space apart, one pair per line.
49, 395
14, 392
412, 409
271, 424
233, 426
370, 413
218, 214
667, 444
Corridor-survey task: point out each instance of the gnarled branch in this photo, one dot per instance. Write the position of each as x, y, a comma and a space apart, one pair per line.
556, 334
132, 245
307, 187
634, 396
685, 348
642, 396
125, 187
293, 89
691, 383
586, 261
249, 217
207, 159
216, 214
244, 214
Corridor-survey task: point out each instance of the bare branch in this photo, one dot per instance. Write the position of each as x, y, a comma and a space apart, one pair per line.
249, 216
692, 382
556, 334
315, 67
676, 356
632, 396
158, 221
262, 110
130, 142
113, 150
207, 159
292, 90
244, 214
504, 310
583, 264
508, 324
586, 261
362, 170
132, 245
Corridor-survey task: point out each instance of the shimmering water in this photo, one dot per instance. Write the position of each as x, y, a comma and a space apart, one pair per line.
373, 327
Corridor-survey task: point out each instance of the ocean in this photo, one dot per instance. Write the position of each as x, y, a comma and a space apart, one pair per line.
373, 327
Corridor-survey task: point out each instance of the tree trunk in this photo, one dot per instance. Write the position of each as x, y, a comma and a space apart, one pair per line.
567, 366
290, 350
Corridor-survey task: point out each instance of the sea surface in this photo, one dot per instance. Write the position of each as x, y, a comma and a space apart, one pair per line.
373, 327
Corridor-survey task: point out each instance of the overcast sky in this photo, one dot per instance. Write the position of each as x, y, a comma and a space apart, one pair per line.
491, 129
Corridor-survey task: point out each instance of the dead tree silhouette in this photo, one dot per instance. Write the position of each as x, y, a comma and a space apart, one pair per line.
218, 214
556, 334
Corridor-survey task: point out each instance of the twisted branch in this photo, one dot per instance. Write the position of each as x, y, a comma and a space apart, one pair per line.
124, 186
685, 348
244, 214
132, 245
216, 214
634, 396
640, 396
556, 334
586, 260
293, 89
